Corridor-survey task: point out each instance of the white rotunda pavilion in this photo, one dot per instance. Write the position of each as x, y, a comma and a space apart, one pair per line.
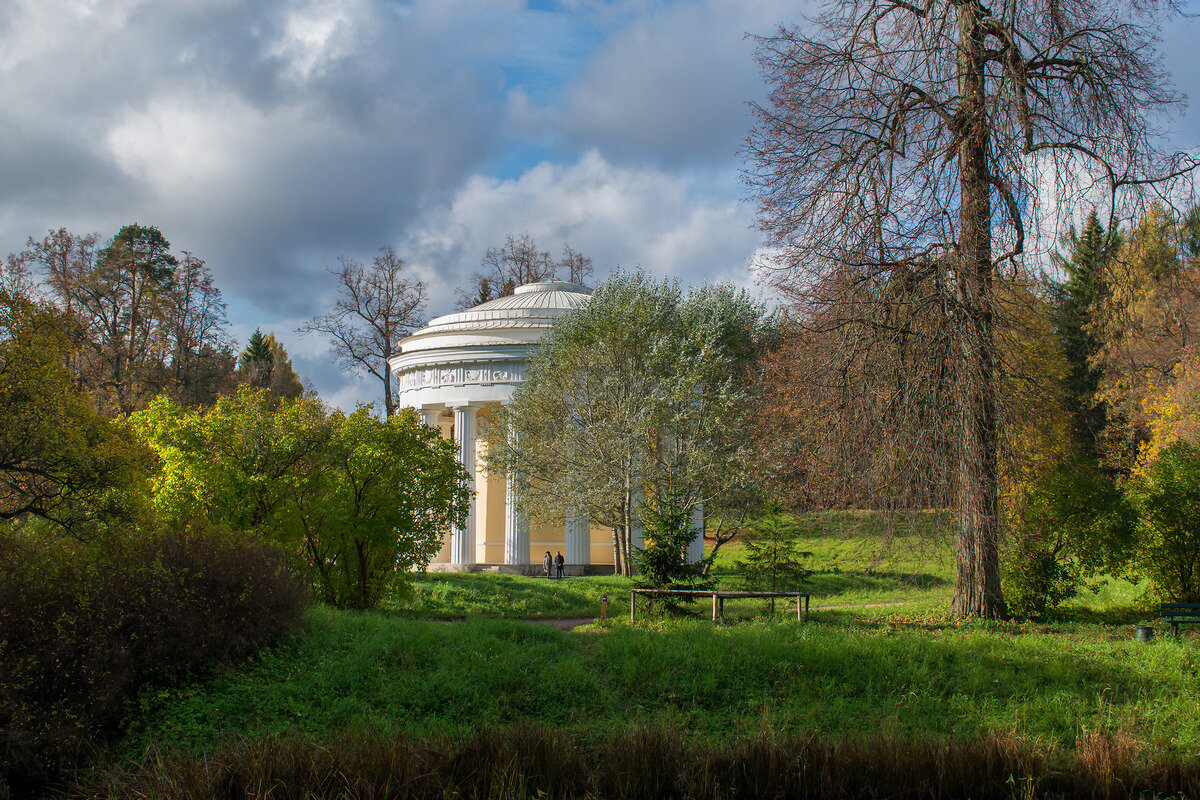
457, 369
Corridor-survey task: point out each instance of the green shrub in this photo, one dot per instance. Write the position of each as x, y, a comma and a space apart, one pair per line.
82, 627
1071, 523
1167, 534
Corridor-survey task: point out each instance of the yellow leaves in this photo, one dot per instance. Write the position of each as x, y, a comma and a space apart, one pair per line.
1173, 411
1037, 425
1152, 315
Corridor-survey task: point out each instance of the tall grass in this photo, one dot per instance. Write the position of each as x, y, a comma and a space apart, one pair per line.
647, 763
370, 672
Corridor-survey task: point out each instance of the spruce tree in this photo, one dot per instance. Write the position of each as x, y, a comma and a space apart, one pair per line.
1076, 301
774, 562
258, 350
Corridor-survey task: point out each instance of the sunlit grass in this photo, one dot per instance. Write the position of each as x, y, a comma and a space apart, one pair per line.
378, 673
860, 560
458, 595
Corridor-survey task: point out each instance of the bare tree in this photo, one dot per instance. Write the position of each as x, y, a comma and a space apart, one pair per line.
67, 260
903, 153
519, 261
195, 321
377, 306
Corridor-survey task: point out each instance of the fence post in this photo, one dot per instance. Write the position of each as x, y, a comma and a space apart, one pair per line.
632, 612
714, 608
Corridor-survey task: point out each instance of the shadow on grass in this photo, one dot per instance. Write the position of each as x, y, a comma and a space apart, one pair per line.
1114, 615
836, 581
453, 596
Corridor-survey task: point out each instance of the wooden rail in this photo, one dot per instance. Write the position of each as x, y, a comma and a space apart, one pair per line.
718, 600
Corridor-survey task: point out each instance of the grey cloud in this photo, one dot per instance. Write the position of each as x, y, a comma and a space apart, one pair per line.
671, 87
241, 144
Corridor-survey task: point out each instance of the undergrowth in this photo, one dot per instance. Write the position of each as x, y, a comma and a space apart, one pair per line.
649, 762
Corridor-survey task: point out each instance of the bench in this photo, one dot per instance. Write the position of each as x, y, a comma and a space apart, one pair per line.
719, 598
1176, 614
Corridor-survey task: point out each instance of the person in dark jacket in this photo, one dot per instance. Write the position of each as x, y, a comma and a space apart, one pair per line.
559, 561
547, 563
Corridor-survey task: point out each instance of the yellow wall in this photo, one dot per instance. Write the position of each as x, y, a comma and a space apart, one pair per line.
490, 514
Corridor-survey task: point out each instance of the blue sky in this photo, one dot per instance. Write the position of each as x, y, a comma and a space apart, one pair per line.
271, 137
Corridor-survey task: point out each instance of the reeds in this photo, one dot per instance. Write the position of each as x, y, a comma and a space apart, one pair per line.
646, 763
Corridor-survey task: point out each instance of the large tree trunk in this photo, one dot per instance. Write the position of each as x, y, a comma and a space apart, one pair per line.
977, 582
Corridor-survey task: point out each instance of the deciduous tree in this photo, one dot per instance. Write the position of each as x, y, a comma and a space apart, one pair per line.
377, 306
637, 398
59, 460
902, 155
519, 261
359, 500
1145, 324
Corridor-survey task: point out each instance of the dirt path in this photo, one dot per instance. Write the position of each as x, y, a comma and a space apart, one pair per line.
563, 624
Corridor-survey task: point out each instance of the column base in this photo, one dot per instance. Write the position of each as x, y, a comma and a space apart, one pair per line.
532, 570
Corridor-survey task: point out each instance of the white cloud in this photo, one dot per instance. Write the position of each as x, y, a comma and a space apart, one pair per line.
265, 137
617, 215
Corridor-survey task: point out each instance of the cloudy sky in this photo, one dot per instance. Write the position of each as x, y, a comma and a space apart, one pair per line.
269, 137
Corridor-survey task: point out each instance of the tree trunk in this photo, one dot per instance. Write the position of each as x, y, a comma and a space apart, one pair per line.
626, 530
977, 582
389, 399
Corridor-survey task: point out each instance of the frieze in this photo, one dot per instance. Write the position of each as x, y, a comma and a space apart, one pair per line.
459, 376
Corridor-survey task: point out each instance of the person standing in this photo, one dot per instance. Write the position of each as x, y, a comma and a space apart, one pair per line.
547, 562
559, 561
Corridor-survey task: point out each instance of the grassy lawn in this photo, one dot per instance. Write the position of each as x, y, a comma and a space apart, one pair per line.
378, 673
863, 569
880, 656
458, 595
857, 562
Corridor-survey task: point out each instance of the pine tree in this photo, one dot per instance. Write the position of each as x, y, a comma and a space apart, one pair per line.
774, 562
1076, 300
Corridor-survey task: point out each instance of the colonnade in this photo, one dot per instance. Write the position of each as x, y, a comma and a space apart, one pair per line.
577, 529
577, 542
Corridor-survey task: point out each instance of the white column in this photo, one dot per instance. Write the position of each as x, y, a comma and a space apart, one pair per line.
462, 540
579, 539
516, 525
695, 548
429, 416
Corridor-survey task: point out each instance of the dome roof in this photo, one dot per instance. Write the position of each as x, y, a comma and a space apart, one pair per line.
520, 318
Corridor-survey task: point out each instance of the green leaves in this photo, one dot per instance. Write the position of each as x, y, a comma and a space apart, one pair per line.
59, 459
358, 500
1167, 539
643, 390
